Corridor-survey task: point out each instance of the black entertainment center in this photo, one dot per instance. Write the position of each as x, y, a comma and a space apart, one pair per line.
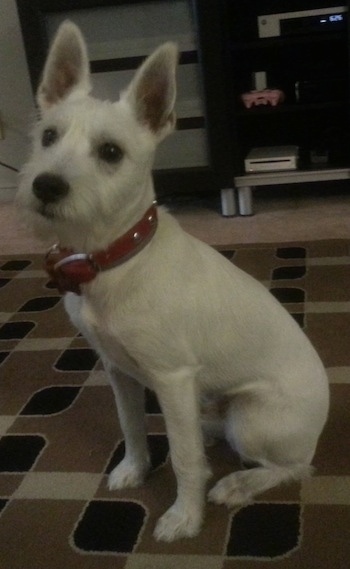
253, 75
304, 52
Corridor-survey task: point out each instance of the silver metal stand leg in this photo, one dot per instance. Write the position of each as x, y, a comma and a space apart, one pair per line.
228, 202
245, 200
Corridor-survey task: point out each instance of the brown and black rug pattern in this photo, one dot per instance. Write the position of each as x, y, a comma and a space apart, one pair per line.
60, 437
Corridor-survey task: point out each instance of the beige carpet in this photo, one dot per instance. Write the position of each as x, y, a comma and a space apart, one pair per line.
60, 437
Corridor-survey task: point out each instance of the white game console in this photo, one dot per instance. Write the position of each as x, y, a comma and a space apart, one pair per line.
272, 158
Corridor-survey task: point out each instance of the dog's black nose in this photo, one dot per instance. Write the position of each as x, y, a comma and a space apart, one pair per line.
50, 188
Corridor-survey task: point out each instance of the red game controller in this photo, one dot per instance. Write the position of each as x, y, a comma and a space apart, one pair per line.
266, 97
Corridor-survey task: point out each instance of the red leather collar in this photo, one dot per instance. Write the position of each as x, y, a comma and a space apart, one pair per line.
68, 269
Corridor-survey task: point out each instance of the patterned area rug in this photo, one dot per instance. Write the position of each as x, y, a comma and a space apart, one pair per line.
60, 437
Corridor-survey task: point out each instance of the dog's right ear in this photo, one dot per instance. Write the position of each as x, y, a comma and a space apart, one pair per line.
66, 68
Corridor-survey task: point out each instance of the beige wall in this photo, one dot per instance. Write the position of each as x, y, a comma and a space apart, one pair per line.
16, 100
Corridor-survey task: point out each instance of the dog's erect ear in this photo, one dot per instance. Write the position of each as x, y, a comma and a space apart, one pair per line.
67, 67
152, 92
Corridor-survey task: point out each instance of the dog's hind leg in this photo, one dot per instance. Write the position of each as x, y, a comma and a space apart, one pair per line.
241, 487
271, 437
130, 400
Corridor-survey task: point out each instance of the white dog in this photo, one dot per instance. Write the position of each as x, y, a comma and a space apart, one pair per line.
158, 304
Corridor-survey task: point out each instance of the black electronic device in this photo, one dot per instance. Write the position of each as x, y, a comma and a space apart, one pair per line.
302, 22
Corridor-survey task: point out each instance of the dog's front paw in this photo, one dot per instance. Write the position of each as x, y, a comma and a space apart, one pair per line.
177, 523
127, 475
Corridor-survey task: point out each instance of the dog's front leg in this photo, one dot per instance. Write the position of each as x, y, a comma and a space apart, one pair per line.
178, 398
130, 399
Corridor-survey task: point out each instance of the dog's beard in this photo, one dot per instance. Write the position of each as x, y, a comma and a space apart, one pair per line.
46, 211
68, 212
61, 211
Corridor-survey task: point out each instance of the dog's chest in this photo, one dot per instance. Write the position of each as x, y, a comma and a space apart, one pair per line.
106, 340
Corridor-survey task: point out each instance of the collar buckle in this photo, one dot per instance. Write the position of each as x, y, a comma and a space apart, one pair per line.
77, 257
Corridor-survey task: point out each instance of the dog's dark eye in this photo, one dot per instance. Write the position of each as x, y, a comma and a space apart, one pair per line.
110, 152
49, 137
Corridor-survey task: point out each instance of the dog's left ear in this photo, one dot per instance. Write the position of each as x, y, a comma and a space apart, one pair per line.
152, 92
66, 69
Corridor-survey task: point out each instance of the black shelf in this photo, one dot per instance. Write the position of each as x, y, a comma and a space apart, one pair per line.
288, 41
318, 62
313, 71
